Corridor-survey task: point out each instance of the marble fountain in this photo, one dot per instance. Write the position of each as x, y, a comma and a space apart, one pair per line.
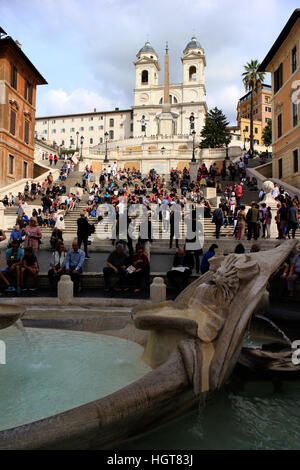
183, 350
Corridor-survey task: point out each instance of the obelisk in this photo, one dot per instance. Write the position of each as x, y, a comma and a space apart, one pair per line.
166, 80
167, 119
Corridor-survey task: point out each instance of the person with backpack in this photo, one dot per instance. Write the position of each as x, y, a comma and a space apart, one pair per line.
218, 219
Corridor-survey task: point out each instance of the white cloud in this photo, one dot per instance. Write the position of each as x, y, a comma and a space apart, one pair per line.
80, 100
225, 98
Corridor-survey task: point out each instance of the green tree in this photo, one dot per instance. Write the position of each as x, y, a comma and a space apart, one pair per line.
215, 133
252, 79
267, 134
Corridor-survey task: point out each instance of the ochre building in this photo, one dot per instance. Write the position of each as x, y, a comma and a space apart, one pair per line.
283, 62
18, 81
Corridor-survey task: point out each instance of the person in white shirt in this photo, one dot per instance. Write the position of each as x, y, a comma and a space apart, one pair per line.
275, 192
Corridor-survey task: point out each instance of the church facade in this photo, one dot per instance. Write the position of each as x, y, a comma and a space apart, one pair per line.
186, 99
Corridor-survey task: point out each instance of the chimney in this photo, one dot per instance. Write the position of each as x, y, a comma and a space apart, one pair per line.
116, 109
18, 44
95, 110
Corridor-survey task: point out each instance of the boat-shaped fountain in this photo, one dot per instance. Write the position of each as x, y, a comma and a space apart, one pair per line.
191, 345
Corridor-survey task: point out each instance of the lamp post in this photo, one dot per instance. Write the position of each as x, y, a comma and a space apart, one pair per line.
162, 150
77, 135
81, 144
71, 142
106, 139
193, 134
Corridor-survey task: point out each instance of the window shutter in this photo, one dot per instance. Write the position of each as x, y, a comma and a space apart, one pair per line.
12, 122
26, 132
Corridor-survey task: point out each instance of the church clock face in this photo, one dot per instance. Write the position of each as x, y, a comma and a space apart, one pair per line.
144, 98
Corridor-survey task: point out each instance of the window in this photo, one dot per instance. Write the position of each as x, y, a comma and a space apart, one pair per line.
101, 140
267, 120
28, 91
100, 128
111, 123
278, 79
280, 168
296, 162
26, 132
91, 141
131, 115
246, 129
53, 131
12, 122
100, 118
72, 129
294, 59
62, 142
25, 166
53, 121
295, 114
192, 72
45, 131
145, 76
91, 128
279, 125
111, 135
131, 127
44, 122
268, 110
91, 118
14, 77
256, 130
267, 99
11, 164
81, 128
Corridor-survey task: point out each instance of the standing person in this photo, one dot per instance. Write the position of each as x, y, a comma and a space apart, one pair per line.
33, 236
57, 265
238, 193
293, 219
73, 264
282, 219
50, 159
241, 224
252, 220
218, 219
268, 221
83, 232
55, 159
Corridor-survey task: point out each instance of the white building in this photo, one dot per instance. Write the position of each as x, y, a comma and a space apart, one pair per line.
154, 132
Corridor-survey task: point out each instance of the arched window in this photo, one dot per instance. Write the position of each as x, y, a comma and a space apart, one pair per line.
111, 135
192, 72
172, 99
145, 76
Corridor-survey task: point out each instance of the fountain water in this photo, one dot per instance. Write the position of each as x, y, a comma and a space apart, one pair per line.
262, 317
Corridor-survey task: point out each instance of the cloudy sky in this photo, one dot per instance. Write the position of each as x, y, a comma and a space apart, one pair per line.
85, 48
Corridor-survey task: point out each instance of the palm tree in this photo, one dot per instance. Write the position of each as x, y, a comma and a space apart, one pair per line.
252, 79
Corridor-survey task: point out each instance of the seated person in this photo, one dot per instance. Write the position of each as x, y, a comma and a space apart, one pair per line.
204, 267
11, 274
117, 263
138, 272
28, 268
57, 265
16, 234
294, 273
73, 264
56, 236
183, 265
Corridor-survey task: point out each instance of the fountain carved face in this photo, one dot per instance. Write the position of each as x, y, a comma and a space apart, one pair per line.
228, 274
